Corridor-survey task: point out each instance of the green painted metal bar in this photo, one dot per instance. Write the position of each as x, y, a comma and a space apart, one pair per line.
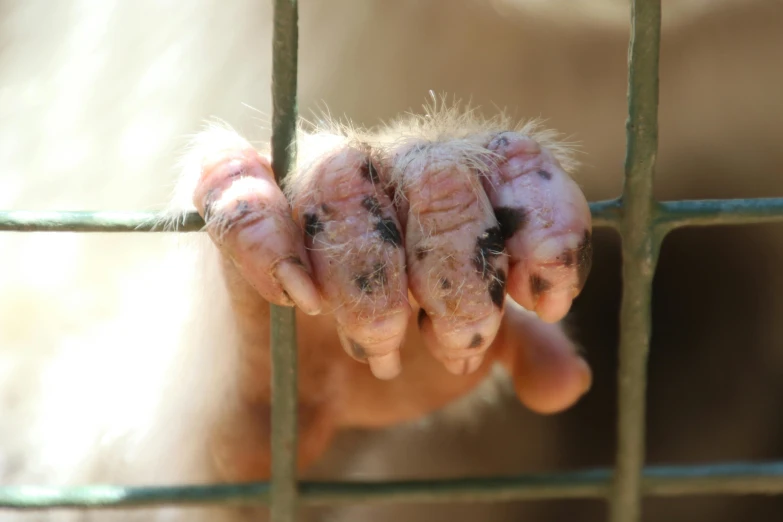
676, 214
607, 213
639, 250
36, 498
669, 481
726, 478
285, 42
84, 221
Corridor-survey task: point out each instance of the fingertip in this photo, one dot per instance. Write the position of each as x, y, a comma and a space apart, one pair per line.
549, 374
385, 367
464, 366
586, 376
555, 386
377, 344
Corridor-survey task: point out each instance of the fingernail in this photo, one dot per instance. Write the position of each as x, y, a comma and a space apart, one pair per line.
299, 287
385, 367
464, 366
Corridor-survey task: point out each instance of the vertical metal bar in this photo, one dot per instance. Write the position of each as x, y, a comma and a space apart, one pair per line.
283, 320
640, 250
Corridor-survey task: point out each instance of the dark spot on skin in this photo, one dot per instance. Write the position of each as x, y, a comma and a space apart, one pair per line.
237, 172
313, 225
371, 281
476, 341
369, 172
370, 203
511, 220
497, 289
544, 175
380, 274
357, 350
421, 253
584, 258
491, 242
539, 285
489, 245
243, 207
325, 208
389, 232
363, 282
445, 284
422, 315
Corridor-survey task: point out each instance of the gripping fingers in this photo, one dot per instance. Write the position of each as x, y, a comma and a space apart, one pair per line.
456, 261
546, 222
248, 218
355, 245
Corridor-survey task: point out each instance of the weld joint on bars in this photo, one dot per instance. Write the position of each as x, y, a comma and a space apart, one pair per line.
667, 216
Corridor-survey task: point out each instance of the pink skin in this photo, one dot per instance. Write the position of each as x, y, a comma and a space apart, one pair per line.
343, 247
550, 220
248, 218
355, 245
447, 213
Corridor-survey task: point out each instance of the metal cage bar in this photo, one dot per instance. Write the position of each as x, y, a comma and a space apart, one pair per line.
667, 216
660, 481
642, 223
639, 252
285, 43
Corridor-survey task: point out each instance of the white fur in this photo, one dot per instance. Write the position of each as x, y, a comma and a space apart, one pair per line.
104, 376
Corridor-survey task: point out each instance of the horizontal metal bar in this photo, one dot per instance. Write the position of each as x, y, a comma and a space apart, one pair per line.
82, 221
729, 478
706, 212
733, 478
606, 213
100, 496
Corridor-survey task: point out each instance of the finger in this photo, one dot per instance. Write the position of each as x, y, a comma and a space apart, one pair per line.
355, 245
546, 222
248, 218
456, 264
549, 374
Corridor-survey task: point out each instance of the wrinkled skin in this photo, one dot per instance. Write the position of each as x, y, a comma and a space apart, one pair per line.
117, 351
404, 256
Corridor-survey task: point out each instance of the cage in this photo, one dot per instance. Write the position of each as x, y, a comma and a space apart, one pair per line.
641, 221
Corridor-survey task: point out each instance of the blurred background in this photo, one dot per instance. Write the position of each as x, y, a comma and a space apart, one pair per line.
98, 97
